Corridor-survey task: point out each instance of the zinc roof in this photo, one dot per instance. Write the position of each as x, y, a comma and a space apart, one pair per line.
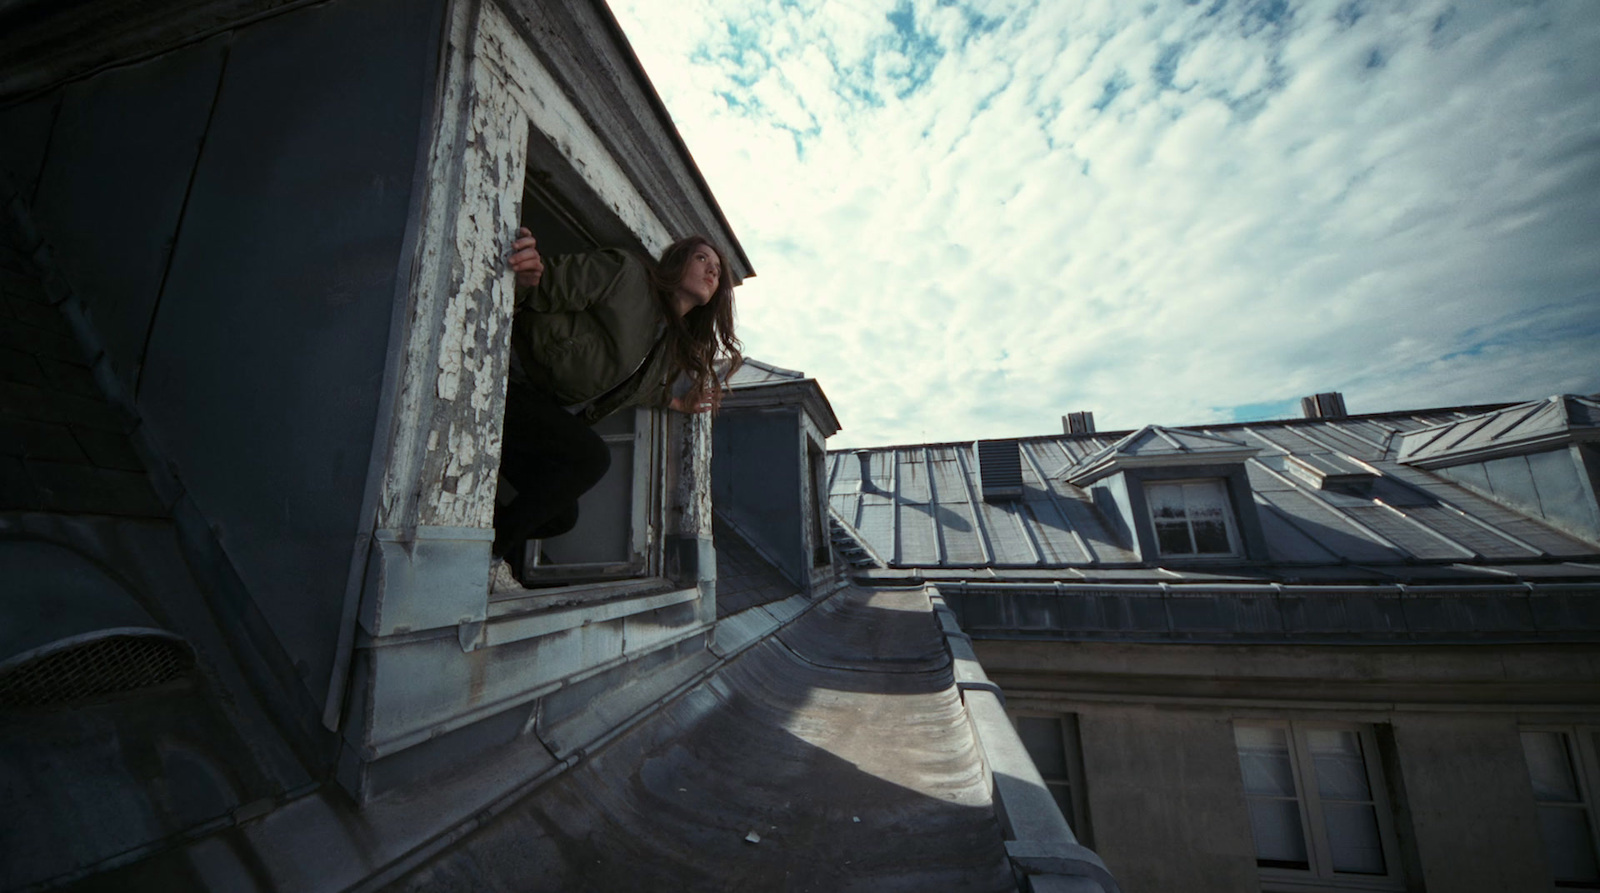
918, 505
1553, 420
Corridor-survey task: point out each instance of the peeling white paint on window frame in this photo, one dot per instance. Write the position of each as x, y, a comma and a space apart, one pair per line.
447, 433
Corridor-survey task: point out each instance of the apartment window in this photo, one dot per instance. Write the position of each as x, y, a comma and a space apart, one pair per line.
1052, 742
1562, 771
1318, 811
1192, 518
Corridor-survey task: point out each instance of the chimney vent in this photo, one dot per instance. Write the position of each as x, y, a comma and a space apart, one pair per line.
865, 456
999, 469
1077, 423
1323, 406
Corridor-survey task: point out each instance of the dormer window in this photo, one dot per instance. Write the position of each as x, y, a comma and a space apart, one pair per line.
1172, 493
1192, 518
1538, 458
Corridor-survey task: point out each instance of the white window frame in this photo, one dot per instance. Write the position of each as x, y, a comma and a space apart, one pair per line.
1320, 876
1583, 749
1229, 522
646, 517
1072, 756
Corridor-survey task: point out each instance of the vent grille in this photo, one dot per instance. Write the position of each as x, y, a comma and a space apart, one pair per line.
999, 469
99, 667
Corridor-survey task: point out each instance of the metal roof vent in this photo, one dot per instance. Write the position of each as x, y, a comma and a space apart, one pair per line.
865, 458
999, 469
1329, 405
1326, 471
1077, 423
102, 663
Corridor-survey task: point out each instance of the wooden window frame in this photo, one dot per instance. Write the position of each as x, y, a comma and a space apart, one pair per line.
1320, 876
647, 514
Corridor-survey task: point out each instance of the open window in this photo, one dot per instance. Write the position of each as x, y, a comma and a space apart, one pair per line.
620, 520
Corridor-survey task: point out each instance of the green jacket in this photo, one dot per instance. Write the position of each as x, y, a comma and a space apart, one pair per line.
592, 329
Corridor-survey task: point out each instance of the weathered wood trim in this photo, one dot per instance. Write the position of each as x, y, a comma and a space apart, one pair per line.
582, 45
452, 397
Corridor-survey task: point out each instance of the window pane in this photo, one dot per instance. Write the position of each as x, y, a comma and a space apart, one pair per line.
1280, 841
1566, 837
1550, 767
1166, 501
1353, 838
1206, 505
1173, 539
1041, 735
1063, 795
1211, 537
1336, 757
1205, 501
1264, 760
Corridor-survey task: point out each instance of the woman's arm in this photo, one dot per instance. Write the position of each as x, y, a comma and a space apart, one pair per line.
692, 402
566, 283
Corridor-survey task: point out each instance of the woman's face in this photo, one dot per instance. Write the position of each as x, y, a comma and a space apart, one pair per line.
701, 275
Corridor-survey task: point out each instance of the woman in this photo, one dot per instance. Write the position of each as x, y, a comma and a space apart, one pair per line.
593, 333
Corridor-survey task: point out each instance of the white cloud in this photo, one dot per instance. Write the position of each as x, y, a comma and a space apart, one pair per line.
1397, 200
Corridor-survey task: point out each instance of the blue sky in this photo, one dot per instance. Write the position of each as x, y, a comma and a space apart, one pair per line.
968, 219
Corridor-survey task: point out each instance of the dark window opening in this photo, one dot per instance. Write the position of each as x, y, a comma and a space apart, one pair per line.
816, 465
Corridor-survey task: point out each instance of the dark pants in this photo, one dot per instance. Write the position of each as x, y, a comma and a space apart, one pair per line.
552, 458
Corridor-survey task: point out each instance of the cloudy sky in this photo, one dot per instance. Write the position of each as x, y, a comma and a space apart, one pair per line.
969, 219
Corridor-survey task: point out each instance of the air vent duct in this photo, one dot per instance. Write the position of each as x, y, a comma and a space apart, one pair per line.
1077, 423
109, 662
999, 469
1323, 406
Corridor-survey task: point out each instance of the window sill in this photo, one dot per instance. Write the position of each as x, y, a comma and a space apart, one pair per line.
503, 604
546, 613
1285, 882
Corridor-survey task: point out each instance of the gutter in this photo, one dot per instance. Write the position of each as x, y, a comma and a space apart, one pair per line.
1045, 855
1523, 587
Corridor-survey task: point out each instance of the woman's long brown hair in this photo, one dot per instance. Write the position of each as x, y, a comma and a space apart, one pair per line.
704, 334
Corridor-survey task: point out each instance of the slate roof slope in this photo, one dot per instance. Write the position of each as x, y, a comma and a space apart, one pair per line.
744, 578
840, 742
918, 505
754, 372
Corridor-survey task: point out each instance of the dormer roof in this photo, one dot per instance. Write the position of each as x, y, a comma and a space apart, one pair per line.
756, 384
1155, 446
1514, 430
754, 372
